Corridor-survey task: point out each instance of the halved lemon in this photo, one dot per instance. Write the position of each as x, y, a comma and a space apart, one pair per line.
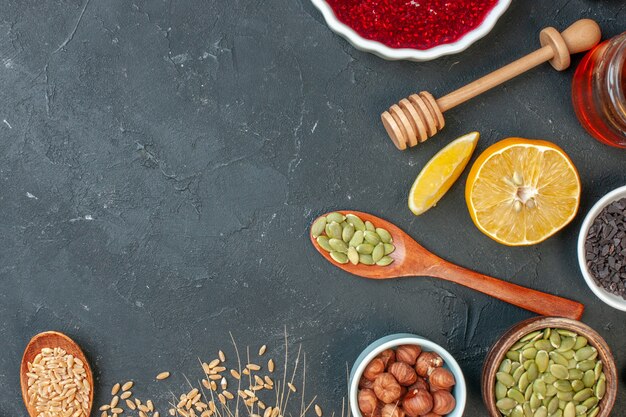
441, 172
522, 191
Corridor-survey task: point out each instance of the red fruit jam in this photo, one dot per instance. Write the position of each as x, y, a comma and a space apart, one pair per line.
417, 24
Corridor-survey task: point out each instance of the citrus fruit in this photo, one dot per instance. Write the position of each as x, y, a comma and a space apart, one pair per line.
441, 172
522, 191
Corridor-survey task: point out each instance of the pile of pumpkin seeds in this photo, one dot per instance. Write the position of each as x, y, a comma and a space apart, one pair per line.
350, 239
550, 373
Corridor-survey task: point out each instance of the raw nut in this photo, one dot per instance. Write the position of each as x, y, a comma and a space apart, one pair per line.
441, 379
392, 410
387, 388
420, 383
427, 362
388, 356
443, 402
431, 414
417, 403
403, 372
374, 368
366, 383
408, 353
367, 401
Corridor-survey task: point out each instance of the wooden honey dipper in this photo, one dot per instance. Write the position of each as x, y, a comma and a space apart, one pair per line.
420, 116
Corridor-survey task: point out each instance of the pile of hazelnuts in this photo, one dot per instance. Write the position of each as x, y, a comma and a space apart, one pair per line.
406, 382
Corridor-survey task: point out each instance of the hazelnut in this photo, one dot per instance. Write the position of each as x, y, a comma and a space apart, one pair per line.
443, 402
366, 383
367, 401
431, 414
427, 362
408, 353
387, 388
420, 383
441, 379
417, 403
404, 373
392, 410
374, 368
388, 356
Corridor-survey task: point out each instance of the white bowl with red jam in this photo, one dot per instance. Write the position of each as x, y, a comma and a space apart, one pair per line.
415, 30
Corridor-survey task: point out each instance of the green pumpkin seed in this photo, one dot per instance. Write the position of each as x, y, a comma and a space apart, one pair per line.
586, 365
514, 356
565, 396
542, 360
550, 390
544, 345
597, 370
357, 239
389, 248
527, 363
569, 410
553, 405
518, 411
333, 230
539, 387
584, 353
555, 339
528, 412
600, 388
339, 257
355, 221
589, 378
516, 395
384, 261
506, 404
365, 259
546, 333
365, 249
371, 237
548, 378
501, 390
577, 385
529, 353
523, 382
378, 252
514, 365
335, 217
568, 354
571, 364
353, 255
518, 345
505, 379
323, 242
347, 233
557, 358
318, 227
541, 412
594, 412
530, 336
338, 245
505, 366
528, 393
557, 413
369, 226
567, 343
535, 401
580, 342
384, 235
582, 395
590, 402
563, 385
575, 374
567, 333
533, 371
343, 224
518, 373
559, 371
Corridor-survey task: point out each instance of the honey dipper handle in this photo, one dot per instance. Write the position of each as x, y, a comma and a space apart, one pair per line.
526, 298
582, 35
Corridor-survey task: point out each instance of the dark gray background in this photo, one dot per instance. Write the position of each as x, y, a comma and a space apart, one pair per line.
160, 163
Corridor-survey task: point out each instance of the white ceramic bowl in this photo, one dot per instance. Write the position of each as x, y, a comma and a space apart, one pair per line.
614, 301
392, 341
393, 54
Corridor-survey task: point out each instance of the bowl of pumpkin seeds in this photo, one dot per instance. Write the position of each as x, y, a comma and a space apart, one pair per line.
550, 367
348, 238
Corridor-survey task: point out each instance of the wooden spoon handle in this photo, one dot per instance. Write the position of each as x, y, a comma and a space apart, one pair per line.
526, 298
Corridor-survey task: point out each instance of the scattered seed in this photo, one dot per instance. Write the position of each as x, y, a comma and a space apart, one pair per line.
318, 410
224, 383
115, 389
270, 365
318, 226
291, 387
131, 405
126, 395
163, 375
235, 374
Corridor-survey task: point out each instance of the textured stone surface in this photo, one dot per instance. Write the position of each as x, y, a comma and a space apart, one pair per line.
160, 163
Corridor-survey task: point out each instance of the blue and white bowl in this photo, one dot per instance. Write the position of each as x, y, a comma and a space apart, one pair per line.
392, 341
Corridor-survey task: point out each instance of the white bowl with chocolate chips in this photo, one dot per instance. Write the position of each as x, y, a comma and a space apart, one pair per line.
602, 248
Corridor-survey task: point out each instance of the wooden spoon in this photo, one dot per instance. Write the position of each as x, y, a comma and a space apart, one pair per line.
51, 340
411, 259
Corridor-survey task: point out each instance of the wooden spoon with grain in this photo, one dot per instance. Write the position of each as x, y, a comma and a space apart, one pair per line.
52, 340
411, 260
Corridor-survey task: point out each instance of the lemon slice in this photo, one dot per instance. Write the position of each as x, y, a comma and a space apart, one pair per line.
441, 172
521, 191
